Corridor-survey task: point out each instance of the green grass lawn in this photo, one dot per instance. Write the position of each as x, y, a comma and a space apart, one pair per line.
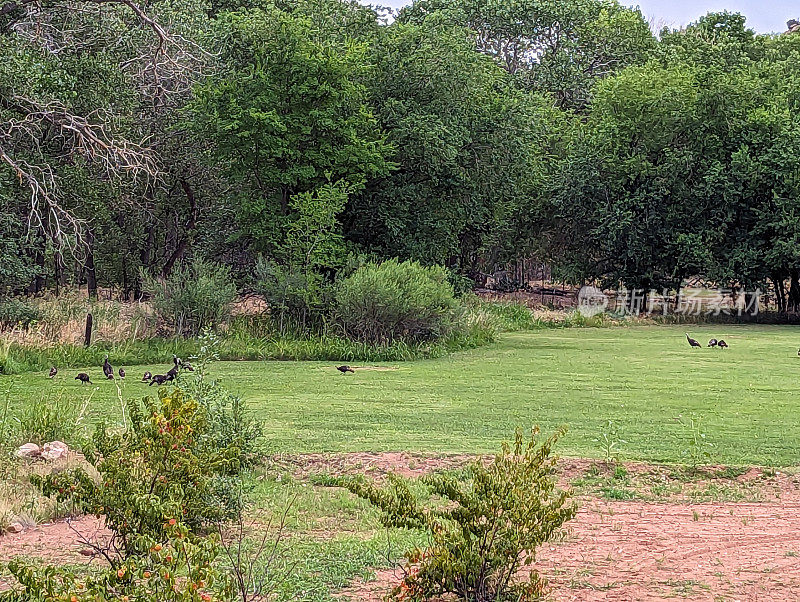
646, 379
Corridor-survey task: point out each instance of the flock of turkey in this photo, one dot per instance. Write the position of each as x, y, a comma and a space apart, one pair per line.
712, 343
153, 379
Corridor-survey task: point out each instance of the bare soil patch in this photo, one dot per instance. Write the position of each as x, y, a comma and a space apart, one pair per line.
651, 547
56, 543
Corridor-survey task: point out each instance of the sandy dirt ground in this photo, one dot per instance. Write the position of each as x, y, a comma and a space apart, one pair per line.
613, 551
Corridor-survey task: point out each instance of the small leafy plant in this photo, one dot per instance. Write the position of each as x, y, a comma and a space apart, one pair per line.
610, 441
166, 466
698, 447
484, 523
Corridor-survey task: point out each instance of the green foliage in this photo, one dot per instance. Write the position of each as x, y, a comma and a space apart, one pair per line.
506, 317
396, 301
697, 447
18, 312
16, 271
194, 296
483, 525
175, 566
562, 48
51, 419
610, 440
165, 466
289, 117
294, 285
229, 422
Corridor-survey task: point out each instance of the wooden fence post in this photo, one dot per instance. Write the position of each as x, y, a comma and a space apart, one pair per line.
87, 337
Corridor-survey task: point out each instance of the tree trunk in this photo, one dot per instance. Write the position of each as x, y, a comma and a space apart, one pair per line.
191, 224
794, 290
780, 292
37, 285
91, 274
58, 272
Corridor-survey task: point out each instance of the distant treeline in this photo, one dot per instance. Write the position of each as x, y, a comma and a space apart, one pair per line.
297, 138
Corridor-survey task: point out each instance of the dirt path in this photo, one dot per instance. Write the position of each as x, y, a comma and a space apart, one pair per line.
614, 551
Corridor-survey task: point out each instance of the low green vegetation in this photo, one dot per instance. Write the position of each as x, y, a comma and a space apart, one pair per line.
668, 402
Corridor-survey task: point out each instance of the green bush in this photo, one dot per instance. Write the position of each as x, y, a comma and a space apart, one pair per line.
194, 296
15, 312
168, 464
292, 299
483, 523
391, 301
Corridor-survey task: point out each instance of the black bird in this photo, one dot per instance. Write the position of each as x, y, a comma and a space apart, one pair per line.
722, 344
692, 342
53, 372
122, 373
158, 379
84, 378
173, 372
176, 360
713, 343
345, 369
188, 366
108, 369
147, 376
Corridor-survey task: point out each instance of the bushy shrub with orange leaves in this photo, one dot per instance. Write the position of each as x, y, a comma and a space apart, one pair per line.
484, 524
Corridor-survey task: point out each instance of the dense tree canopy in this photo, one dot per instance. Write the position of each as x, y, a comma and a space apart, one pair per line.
287, 138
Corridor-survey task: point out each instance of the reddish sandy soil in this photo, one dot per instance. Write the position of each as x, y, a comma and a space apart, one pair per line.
613, 551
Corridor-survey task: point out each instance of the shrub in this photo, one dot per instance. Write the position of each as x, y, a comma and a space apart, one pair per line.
289, 294
15, 312
194, 296
167, 465
392, 300
483, 523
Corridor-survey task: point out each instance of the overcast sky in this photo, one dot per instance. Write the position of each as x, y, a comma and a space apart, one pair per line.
762, 15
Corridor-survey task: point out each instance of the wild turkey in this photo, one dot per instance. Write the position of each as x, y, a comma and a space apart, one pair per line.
122, 373
713, 343
147, 376
84, 378
108, 369
345, 369
158, 379
53, 372
722, 344
692, 342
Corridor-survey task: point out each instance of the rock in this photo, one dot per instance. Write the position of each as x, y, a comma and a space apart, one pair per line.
55, 450
14, 528
29, 450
